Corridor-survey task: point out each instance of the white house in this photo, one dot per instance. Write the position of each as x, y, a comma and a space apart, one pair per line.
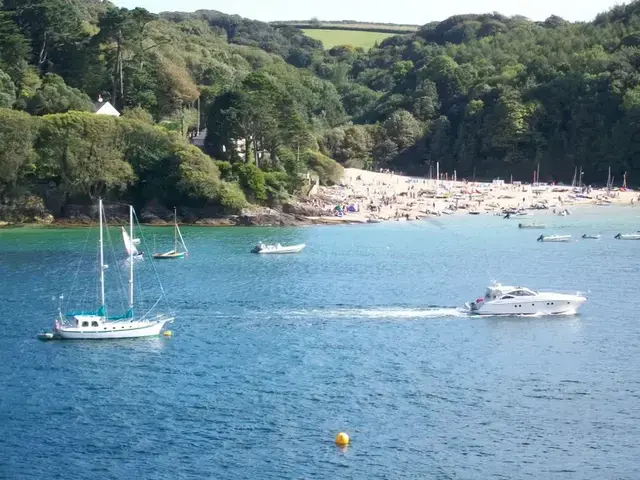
104, 108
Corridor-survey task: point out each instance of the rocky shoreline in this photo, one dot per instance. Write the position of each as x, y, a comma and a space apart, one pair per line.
288, 215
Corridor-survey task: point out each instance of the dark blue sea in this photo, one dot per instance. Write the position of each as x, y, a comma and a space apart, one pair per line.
271, 356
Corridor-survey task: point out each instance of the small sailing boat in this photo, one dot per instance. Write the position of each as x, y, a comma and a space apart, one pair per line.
175, 253
98, 325
130, 246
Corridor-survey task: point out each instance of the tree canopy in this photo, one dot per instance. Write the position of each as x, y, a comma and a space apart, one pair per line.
483, 95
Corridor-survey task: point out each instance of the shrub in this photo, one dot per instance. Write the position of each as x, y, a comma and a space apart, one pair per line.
251, 179
329, 171
231, 197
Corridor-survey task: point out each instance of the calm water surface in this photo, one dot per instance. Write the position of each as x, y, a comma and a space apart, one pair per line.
271, 356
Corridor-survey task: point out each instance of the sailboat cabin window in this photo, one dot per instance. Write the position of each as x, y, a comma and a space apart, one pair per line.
85, 324
94, 324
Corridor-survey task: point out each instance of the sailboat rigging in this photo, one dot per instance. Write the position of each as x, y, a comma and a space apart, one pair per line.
97, 324
175, 253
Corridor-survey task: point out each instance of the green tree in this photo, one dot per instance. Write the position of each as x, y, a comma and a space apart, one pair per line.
54, 96
7, 91
17, 132
82, 152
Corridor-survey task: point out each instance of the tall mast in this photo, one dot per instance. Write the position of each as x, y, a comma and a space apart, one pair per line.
131, 257
101, 256
175, 230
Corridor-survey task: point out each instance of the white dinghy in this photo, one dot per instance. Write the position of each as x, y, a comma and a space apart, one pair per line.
554, 238
628, 236
277, 248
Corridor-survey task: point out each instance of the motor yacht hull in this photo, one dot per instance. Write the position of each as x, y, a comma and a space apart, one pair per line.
508, 300
530, 307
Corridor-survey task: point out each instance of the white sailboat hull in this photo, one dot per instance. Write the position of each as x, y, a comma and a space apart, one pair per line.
113, 330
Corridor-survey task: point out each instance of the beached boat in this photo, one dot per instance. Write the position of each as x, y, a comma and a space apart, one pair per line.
590, 237
474, 212
175, 253
98, 324
277, 248
628, 236
508, 300
531, 225
554, 238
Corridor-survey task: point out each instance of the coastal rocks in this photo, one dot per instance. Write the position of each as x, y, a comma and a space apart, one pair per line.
267, 217
154, 213
29, 209
229, 221
302, 209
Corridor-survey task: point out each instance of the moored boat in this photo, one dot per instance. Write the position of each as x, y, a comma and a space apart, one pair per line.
277, 248
628, 236
554, 238
531, 225
590, 237
175, 253
97, 324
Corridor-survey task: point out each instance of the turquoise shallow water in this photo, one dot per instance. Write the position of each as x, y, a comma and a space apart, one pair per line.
271, 356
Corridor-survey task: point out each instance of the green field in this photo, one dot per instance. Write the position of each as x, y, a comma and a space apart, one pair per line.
331, 38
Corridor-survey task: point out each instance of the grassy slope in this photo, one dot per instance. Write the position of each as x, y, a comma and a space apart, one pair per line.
331, 38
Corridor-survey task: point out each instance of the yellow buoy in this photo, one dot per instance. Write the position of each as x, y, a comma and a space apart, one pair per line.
342, 439
167, 333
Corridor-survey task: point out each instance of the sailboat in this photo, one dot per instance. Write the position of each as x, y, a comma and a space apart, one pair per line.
98, 325
174, 253
130, 245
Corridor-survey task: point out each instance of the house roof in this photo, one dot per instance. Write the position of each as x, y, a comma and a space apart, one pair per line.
105, 108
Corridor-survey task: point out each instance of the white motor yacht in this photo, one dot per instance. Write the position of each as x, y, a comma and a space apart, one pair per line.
509, 300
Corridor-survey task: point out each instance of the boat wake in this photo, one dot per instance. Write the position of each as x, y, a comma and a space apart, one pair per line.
384, 312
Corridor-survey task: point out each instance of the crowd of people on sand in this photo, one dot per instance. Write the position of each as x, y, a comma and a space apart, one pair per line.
366, 196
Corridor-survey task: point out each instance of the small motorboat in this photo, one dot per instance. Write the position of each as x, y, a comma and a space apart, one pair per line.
590, 237
45, 336
554, 238
508, 300
628, 236
531, 225
277, 248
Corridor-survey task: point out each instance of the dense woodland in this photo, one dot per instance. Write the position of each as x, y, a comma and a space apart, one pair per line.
484, 95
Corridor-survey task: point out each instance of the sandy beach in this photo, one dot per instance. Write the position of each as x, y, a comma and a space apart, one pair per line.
372, 197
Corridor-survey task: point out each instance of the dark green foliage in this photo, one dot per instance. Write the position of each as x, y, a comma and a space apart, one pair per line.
54, 96
252, 180
329, 171
479, 94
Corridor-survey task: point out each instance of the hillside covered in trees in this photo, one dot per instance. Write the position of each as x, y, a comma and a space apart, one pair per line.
485, 95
